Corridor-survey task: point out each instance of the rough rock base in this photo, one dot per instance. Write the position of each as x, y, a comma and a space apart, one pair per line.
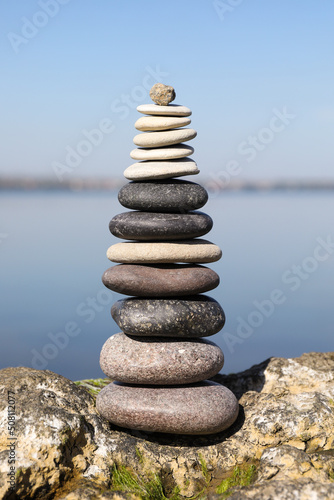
284, 434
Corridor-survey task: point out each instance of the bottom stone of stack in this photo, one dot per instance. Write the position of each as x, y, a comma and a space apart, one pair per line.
197, 409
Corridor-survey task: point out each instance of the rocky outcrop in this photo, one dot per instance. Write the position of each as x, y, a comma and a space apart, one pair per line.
283, 435
59, 435
286, 490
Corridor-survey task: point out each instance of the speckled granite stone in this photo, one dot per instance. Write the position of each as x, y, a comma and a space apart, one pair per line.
202, 408
142, 252
165, 280
197, 316
162, 94
135, 360
163, 196
145, 226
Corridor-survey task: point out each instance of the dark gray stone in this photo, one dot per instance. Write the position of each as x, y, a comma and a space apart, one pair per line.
197, 316
170, 195
157, 361
146, 226
202, 408
164, 280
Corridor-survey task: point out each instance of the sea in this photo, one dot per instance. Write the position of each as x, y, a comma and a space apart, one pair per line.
276, 275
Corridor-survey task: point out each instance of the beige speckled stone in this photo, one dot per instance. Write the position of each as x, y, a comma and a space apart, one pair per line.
170, 110
135, 360
196, 250
150, 170
166, 138
162, 94
153, 123
165, 153
202, 408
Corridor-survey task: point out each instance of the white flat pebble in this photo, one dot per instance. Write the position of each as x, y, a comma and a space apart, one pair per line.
146, 123
195, 250
149, 170
170, 110
167, 138
166, 153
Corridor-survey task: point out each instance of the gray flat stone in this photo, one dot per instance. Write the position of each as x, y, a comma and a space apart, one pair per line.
165, 280
202, 408
197, 316
172, 195
145, 226
135, 360
161, 252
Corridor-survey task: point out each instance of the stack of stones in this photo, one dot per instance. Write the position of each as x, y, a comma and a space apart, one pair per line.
160, 361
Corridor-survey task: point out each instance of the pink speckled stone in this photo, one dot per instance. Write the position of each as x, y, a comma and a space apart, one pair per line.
159, 361
202, 408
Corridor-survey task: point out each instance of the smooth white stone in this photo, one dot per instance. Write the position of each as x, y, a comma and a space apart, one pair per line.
195, 250
147, 170
166, 153
146, 123
170, 110
167, 138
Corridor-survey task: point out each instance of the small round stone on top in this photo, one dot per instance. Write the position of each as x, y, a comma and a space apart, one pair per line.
162, 94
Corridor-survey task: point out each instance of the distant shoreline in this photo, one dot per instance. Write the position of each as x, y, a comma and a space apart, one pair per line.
114, 184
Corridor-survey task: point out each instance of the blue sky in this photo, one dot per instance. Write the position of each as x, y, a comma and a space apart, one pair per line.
258, 76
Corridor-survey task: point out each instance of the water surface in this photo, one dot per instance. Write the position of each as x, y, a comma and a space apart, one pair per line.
276, 277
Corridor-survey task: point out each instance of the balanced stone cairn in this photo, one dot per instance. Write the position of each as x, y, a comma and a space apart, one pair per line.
159, 361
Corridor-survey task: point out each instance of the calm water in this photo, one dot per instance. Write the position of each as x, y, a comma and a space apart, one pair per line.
276, 277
